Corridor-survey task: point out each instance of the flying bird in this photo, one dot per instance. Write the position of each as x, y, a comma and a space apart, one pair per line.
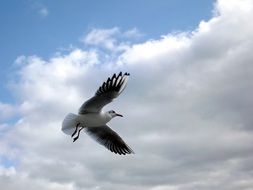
93, 119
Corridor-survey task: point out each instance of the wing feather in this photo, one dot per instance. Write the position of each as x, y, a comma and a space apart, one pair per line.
110, 139
105, 94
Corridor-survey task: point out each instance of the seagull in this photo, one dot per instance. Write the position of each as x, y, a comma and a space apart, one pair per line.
93, 119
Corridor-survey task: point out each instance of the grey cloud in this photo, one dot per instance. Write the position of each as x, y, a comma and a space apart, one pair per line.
187, 113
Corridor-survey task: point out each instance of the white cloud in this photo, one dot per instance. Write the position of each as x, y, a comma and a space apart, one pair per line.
43, 11
7, 111
40, 9
188, 112
132, 33
110, 39
13, 180
101, 36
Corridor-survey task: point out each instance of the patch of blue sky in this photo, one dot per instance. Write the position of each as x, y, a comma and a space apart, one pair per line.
8, 124
7, 162
43, 27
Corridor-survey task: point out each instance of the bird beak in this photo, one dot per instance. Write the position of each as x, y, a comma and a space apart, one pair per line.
119, 115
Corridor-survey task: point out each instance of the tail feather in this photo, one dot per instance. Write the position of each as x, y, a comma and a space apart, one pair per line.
69, 123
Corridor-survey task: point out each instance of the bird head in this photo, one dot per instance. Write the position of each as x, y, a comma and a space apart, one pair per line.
113, 114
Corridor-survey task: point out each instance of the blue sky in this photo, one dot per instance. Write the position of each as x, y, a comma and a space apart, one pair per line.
25, 30
187, 106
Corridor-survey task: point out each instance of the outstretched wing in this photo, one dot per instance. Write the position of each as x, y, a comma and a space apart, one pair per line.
110, 139
109, 90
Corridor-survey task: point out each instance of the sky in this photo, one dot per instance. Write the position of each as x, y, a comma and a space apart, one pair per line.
44, 27
187, 107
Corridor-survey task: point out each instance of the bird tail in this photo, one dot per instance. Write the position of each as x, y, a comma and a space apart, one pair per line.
69, 123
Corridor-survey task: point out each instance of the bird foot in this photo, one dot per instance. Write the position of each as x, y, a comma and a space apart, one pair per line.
74, 139
75, 130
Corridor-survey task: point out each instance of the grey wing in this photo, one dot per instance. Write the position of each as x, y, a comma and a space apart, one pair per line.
110, 139
109, 90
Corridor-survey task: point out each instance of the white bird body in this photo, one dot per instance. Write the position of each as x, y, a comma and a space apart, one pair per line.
85, 120
94, 120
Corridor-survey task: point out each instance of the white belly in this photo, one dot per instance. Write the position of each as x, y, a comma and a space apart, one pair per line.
92, 119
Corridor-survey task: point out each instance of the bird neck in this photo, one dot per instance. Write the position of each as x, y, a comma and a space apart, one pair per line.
107, 116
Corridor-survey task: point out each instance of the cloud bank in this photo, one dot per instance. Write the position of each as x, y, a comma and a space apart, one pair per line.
188, 111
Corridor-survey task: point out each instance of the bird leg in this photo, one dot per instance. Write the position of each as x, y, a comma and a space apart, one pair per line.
78, 134
75, 129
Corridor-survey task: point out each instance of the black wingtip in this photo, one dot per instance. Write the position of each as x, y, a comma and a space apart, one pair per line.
127, 74
120, 74
114, 83
126, 150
